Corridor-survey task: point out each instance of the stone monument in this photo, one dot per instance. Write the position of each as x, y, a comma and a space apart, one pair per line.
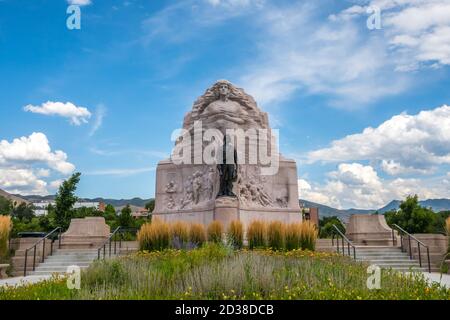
230, 167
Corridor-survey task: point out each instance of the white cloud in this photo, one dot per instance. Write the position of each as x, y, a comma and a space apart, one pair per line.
354, 185
418, 30
32, 149
77, 115
22, 164
299, 52
22, 181
79, 2
100, 113
403, 144
55, 184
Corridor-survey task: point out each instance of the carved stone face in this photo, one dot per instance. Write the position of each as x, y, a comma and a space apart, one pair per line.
224, 90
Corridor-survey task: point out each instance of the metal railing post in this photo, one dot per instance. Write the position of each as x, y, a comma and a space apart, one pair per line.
420, 256
343, 247
34, 258
410, 251
110, 248
393, 237
429, 263
25, 264
43, 250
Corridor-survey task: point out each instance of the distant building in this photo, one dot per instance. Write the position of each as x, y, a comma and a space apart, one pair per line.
41, 206
311, 214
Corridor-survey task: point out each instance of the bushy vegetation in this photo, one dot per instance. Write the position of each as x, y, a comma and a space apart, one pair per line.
276, 235
218, 272
256, 234
235, 234
326, 226
24, 219
154, 236
179, 232
5, 228
293, 236
414, 218
215, 230
197, 234
308, 235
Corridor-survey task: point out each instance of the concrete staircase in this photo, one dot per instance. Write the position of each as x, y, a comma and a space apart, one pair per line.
388, 257
63, 258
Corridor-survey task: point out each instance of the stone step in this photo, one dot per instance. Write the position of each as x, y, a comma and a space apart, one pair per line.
62, 267
78, 245
387, 258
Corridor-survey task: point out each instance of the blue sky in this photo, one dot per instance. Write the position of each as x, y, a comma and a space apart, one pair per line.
362, 111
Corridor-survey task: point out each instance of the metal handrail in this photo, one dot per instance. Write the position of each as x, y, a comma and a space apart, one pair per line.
108, 241
43, 249
344, 238
419, 243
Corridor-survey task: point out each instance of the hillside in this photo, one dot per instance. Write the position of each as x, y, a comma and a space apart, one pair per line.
11, 197
326, 211
435, 204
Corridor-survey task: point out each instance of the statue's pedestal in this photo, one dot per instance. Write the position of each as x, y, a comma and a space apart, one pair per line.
226, 209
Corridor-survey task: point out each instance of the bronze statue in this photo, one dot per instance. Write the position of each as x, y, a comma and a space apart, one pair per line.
227, 169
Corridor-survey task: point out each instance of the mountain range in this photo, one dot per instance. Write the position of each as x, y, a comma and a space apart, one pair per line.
324, 211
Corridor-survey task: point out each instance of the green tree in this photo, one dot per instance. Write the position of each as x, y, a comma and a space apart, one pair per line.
125, 217
5, 206
412, 217
110, 212
65, 199
150, 206
24, 212
326, 226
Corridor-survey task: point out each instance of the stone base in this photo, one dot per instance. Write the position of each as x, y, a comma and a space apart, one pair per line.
226, 210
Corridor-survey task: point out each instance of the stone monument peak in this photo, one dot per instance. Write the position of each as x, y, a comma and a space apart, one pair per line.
199, 190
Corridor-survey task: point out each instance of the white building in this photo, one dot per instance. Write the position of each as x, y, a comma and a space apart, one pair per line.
41, 206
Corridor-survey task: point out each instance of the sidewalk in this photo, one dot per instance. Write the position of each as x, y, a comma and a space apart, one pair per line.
20, 281
436, 277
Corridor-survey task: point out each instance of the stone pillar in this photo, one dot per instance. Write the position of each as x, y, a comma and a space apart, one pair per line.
226, 210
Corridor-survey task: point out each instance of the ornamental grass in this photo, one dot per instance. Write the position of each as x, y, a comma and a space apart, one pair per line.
215, 230
235, 234
154, 236
197, 234
257, 234
5, 229
276, 235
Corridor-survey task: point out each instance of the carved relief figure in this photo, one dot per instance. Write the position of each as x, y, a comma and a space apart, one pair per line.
171, 187
188, 193
197, 186
170, 202
210, 182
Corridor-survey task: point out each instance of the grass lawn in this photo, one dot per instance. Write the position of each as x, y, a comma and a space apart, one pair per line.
217, 272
